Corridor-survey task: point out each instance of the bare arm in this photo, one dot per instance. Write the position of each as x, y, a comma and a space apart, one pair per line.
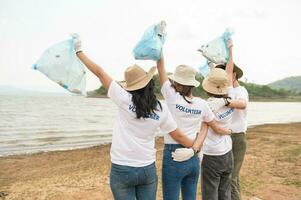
218, 129
178, 136
230, 65
161, 70
104, 78
198, 143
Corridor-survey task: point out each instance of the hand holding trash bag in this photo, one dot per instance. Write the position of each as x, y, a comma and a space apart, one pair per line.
150, 45
77, 42
217, 50
61, 65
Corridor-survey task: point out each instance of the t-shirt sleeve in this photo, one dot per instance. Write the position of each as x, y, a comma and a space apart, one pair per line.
118, 94
168, 92
168, 124
231, 92
208, 115
242, 94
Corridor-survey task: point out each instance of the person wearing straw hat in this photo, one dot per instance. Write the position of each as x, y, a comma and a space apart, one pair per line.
133, 171
239, 101
218, 162
180, 170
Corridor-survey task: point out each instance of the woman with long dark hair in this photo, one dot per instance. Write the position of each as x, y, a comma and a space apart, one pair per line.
133, 171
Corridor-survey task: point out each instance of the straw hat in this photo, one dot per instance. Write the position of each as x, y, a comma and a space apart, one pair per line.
216, 82
236, 69
185, 75
136, 77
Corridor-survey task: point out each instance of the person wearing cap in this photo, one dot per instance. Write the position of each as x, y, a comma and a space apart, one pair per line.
133, 171
180, 170
239, 101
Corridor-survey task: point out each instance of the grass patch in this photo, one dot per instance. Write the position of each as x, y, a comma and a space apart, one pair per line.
292, 155
296, 183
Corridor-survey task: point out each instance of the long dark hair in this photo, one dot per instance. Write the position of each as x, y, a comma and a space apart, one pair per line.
145, 100
185, 91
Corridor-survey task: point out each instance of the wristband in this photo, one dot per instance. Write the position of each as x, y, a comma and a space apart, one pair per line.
79, 51
227, 101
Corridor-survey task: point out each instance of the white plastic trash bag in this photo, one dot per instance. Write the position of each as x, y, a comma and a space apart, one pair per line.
150, 45
60, 64
216, 51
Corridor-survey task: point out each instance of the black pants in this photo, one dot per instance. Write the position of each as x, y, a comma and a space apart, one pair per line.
216, 177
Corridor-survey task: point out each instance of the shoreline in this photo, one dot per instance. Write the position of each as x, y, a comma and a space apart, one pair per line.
83, 173
252, 99
109, 143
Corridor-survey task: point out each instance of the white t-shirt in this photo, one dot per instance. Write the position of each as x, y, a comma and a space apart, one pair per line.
215, 144
239, 117
188, 116
133, 140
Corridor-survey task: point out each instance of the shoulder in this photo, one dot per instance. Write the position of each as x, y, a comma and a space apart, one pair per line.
241, 88
201, 103
200, 100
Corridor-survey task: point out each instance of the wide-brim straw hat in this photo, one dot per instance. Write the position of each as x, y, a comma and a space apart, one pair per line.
216, 82
136, 77
236, 69
185, 75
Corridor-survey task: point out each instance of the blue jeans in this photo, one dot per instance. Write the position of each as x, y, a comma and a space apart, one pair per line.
178, 176
133, 183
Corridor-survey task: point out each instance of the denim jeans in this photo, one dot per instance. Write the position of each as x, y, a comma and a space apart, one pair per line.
134, 183
239, 146
179, 176
216, 177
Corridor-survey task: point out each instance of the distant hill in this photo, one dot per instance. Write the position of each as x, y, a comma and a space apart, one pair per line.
256, 92
290, 83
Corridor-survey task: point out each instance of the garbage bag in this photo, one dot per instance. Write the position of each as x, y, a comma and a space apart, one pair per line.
61, 65
216, 50
150, 45
205, 69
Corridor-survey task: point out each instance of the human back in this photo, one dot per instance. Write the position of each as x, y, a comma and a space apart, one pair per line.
188, 112
133, 140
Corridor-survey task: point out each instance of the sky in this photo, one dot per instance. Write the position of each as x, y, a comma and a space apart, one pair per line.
266, 40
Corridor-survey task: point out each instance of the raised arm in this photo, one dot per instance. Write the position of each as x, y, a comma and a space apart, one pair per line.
161, 70
98, 71
230, 65
178, 136
218, 129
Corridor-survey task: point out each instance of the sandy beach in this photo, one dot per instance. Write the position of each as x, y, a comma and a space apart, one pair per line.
272, 169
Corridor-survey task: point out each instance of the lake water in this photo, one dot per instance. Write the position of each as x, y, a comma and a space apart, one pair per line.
40, 123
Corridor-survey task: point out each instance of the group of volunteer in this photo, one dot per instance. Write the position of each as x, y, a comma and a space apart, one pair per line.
201, 137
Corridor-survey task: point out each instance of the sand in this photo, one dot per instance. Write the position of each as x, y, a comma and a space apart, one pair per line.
272, 169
